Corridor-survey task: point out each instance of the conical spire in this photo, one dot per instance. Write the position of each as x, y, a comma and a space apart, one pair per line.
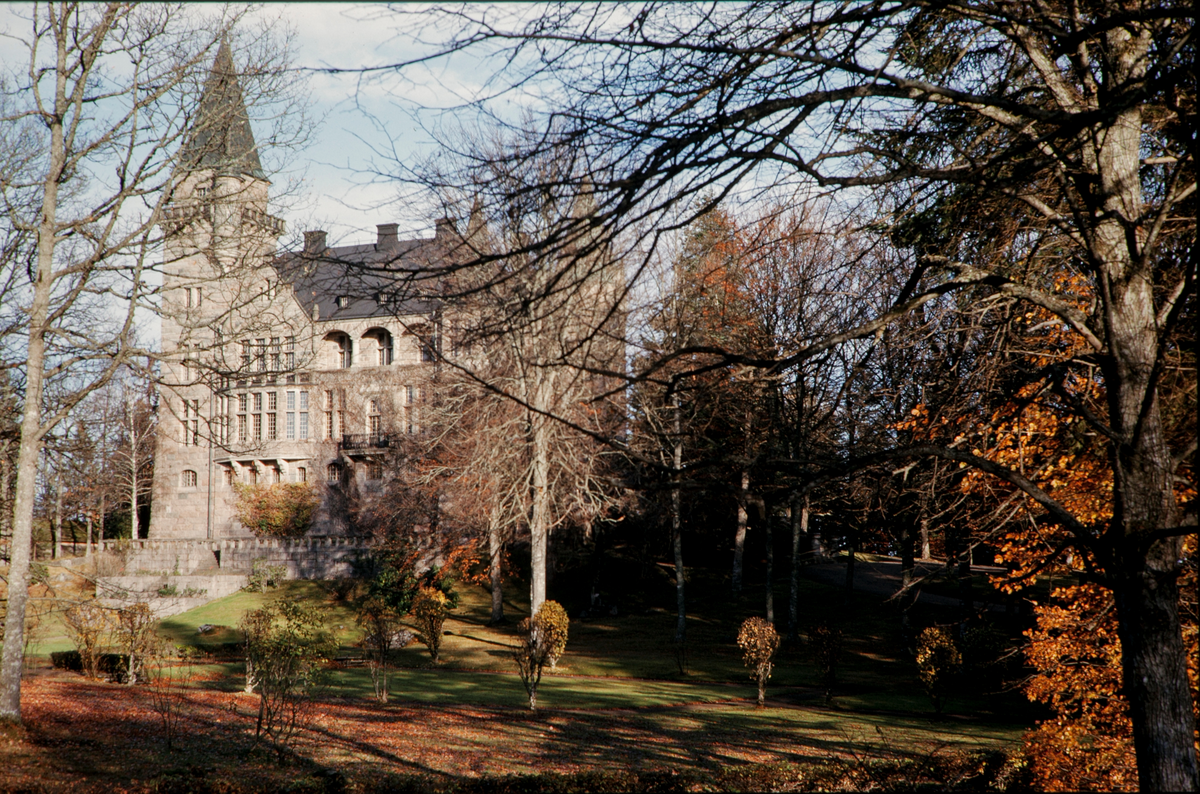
221, 137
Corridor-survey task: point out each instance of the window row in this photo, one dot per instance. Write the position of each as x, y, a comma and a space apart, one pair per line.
273, 354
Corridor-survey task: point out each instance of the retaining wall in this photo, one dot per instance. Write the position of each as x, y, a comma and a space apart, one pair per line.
320, 557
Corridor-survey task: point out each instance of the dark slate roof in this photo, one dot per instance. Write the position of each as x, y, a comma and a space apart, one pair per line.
221, 137
393, 277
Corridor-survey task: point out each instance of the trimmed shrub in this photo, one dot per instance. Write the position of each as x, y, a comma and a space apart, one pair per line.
758, 640
938, 660
429, 610
825, 643
552, 624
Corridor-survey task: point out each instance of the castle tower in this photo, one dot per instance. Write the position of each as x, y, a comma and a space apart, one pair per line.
218, 289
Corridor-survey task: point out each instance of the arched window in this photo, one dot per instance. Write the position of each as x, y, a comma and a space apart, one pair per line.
189, 478
332, 474
301, 474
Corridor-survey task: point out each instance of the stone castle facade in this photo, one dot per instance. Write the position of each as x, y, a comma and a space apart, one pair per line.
293, 367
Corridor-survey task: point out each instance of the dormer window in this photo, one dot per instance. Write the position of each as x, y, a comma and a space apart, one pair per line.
343, 301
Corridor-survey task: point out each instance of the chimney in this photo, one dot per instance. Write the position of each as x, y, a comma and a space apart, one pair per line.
314, 243
386, 236
444, 228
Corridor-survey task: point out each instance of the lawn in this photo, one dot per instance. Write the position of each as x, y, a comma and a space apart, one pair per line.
618, 700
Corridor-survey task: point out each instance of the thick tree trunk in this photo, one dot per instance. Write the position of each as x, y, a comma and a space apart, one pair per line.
1155, 679
1144, 570
925, 549
88, 551
739, 538
12, 660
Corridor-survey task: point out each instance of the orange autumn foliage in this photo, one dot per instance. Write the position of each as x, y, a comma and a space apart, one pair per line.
1075, 650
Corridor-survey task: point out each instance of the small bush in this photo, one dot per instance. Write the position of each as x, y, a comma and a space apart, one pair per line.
137, 639
758, 640
264, 576
88, 626
429, 610
287, 648
379, 623
937, 661
168, 591
553, 624
537, 638
825, 643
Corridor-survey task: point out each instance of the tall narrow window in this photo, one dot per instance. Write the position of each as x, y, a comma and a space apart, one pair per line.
260, 355
191, 423
332, 473
289, 352
291, 416
272, 407
245, 356
303, 416
329, 416
346, 351
374, 420
276, 355
341, 414
252, 473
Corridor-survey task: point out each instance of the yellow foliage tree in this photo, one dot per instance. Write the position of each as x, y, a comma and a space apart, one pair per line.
280, 510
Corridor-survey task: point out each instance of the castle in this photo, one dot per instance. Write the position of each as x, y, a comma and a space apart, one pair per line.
294, 367
308, 366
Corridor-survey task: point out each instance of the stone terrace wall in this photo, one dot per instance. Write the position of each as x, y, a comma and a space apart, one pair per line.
321, 557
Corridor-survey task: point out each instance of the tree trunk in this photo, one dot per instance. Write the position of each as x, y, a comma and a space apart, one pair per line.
677, 533
495, 550
850, 561
32, 434
1144, 570
925, 549
88, 551
539, 519
131, 422
739, 538
799, 530
770, 540
56, 553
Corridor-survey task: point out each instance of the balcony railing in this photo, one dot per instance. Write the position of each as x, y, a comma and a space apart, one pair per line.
364, 441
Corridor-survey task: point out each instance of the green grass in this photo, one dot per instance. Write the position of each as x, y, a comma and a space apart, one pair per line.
624, 661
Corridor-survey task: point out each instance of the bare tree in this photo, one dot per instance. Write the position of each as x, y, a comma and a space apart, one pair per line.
1072, 120
104, 102
133, 452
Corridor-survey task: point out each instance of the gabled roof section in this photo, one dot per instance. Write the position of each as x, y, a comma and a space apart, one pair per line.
220, 137
385, 279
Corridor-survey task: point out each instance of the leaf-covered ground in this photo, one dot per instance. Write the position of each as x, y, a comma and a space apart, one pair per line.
83, 736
